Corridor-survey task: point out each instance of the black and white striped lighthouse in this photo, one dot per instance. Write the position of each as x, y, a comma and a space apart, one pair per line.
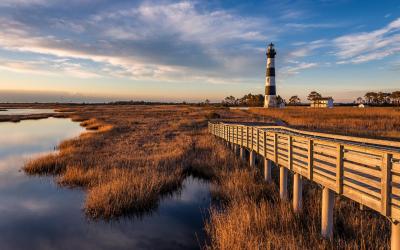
270, 88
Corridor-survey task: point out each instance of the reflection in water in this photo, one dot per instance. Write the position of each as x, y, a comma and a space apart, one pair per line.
36, 214
25, 111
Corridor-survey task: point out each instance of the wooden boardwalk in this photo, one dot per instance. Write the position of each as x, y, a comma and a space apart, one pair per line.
364, 170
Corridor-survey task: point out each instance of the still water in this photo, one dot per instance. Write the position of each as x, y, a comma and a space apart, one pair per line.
25, 111
36, 214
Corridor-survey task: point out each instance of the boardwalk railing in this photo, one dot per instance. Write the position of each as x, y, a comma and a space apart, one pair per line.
364, 170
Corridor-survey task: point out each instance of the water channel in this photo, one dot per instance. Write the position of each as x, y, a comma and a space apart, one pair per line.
37, 214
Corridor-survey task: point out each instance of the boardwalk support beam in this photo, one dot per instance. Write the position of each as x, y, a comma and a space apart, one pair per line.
252, 158
297, 193
395, 236
267, 170
283, 183
328, 199
242, 153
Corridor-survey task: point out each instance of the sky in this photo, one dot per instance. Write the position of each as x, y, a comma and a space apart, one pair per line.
98, 50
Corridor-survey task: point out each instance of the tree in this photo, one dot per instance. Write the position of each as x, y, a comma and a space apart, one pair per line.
395, 96
229, 101
252, 100
313, 96
359, 100
280, 100
294, 100
207, 102
371, 97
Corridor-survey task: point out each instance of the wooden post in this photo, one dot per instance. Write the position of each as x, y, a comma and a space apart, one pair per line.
310, 159
243, 153
265, 144
237, 150
386, 180
252, 135
290, 154
297, 193
241, 136
276, 148
258, 141
283, 183
252, 158
339, 169
328, 199
395, 236
267, 170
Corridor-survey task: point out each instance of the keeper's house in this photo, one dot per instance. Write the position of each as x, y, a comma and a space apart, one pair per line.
323, 102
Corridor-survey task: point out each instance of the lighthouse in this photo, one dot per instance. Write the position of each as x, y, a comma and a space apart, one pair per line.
270, 88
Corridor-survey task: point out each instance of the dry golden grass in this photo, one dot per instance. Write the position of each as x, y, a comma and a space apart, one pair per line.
137, 155
145, 152
373, 122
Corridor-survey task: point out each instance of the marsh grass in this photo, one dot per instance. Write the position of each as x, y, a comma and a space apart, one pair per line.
141, 153
374, 122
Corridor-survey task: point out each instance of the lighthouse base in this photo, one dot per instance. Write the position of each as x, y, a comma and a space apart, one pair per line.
270, 101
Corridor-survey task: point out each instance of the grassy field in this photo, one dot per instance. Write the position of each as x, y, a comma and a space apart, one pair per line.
372, 122
140, 153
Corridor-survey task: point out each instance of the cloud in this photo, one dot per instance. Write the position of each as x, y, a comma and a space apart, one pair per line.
302, 26
296, 67
368, 46
171, 41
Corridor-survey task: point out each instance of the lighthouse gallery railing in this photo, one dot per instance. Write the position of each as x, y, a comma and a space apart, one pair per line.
364, 170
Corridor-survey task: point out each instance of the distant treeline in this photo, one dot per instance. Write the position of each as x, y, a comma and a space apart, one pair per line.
248, 100
380, 98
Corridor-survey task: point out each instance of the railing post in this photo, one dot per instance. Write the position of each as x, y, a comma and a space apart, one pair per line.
395, 236
339, 169
283, 183
290, 154
241, 136
258, 141
297, 193
386, 180
310, 159
328, 199
276, 148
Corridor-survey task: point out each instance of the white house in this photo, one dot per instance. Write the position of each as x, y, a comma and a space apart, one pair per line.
323, 102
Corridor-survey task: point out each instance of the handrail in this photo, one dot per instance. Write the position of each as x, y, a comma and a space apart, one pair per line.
364, 170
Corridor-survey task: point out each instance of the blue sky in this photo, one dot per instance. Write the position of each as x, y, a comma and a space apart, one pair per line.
193, 50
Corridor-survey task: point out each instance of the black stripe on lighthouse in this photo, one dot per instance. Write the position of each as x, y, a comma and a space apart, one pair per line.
270, 72
270, 90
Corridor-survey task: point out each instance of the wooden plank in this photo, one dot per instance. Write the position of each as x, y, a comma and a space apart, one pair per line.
362, 198
362, 179
325, 150
310, 159
366, 159
324, 181
299, 153
324, 158
363, 189
339, 169
325, 175
300, 145
396, 190
325, 167
362, 169
385, 182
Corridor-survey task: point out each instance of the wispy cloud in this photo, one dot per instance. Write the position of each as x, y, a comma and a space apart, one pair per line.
313, 25
367, 46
